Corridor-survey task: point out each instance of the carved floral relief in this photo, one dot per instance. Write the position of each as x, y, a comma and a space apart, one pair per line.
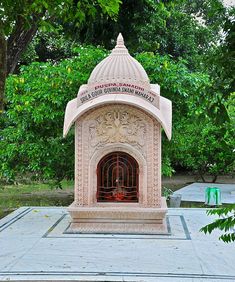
117, 125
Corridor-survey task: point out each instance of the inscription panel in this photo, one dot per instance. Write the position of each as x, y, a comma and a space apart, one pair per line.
118, 88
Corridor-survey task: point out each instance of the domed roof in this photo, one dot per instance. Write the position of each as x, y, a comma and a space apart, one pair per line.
119, 66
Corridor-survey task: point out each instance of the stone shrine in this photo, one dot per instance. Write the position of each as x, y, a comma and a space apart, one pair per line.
118, 117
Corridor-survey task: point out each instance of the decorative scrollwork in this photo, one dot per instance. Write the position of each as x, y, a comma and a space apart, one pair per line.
117, 126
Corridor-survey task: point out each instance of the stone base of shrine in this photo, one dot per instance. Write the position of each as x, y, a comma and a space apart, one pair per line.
119, 219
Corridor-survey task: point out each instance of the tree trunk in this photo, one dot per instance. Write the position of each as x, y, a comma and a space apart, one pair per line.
18, 42
3, 68
11, 50
214, 178
202, 177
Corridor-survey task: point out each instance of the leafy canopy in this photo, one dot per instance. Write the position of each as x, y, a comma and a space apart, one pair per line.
32, 140
47, 10
179, 28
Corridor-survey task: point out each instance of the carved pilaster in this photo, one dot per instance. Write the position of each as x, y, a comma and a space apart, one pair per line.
156, 167
78, 166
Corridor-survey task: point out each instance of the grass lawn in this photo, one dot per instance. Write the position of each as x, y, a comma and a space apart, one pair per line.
15, 196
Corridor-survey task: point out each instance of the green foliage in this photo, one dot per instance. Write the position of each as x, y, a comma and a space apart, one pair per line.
230, 106
177, 82
31, 140
167, 169
49, 46
32, 143
190, 54
203, 138
220, 65
225, 223
167, 192
47, 10
180, 28
203, 147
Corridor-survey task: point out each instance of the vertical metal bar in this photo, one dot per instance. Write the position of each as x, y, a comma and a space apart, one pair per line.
117, 175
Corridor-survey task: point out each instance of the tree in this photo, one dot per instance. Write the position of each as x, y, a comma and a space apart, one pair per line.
180, 28
31, 142
49, 46
20, 20
225, 223
178, 83
203, 147
202, 93
220, 65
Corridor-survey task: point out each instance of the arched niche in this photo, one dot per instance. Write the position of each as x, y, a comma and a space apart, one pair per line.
142, 174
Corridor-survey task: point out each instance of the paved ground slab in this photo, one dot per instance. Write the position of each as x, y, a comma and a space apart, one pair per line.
195, 192
35, 246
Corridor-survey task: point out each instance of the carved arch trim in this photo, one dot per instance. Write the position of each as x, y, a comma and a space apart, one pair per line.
126, 148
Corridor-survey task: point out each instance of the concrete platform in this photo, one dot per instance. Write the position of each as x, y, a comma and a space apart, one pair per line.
36, 246
195, 192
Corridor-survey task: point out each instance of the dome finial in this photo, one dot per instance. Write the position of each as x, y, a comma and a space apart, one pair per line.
120, 41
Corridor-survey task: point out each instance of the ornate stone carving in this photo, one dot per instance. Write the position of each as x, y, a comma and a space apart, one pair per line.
156, 192
78, 165
114, 126
117, 125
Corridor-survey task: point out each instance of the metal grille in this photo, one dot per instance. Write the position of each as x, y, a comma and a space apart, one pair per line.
117, 178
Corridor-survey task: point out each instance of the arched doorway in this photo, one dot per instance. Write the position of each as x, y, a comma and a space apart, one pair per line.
117, 178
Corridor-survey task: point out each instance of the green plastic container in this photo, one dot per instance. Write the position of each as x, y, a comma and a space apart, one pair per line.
213, 196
